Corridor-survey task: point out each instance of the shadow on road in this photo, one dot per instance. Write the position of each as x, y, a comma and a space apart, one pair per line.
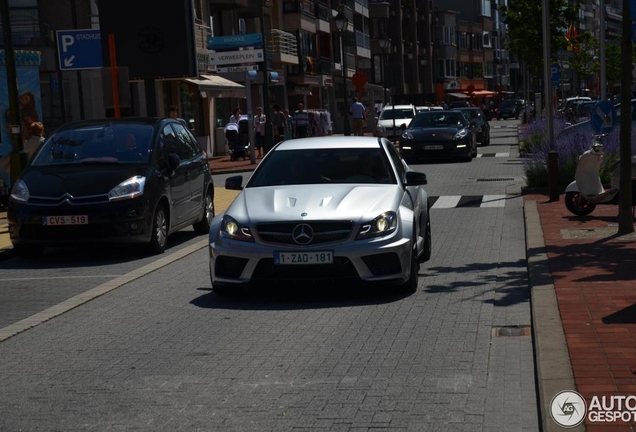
292, 297
96, 254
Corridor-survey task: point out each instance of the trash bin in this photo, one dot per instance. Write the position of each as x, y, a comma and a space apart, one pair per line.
269, 138
219, 142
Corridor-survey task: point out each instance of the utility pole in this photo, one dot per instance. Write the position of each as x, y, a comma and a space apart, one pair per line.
267, 106
17, 158
553, 167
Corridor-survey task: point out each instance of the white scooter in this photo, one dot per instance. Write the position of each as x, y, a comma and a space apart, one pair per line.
586, 191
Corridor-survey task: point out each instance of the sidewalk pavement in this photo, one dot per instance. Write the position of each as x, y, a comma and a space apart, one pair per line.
583, 297
588, 343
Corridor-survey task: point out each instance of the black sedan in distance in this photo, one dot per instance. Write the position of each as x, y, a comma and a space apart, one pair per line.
439, 133
131, 180
476, 115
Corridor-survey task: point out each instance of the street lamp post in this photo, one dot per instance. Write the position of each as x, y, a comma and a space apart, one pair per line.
410, 55
384, 45
342, 23
267, 108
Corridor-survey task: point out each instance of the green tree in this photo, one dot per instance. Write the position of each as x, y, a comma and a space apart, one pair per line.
525, 34
585, 61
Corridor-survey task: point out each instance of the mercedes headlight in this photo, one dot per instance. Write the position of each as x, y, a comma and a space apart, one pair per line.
381, 128
383, 225
131, 188
20, 192
231, 229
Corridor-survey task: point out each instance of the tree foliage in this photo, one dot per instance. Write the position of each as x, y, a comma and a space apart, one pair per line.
524, 19
586, 60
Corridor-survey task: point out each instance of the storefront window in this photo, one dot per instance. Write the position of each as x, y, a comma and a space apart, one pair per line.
190, 106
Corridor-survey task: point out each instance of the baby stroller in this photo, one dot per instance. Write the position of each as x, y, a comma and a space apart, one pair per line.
237, 136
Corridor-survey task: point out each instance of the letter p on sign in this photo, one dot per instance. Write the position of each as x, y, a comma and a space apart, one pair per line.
67, 40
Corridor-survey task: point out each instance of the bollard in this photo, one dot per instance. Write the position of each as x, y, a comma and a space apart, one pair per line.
553, 175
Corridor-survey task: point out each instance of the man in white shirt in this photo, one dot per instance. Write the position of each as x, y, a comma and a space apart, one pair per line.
358, 113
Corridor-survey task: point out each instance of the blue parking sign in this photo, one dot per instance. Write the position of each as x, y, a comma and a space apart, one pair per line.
79, 49
603, 117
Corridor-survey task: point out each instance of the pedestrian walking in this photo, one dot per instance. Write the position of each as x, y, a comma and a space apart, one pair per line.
279, 123
259, 131
301, 122
174, 113
289, 130
37, 137
358, 113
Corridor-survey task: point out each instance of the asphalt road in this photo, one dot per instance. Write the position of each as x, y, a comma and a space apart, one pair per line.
154, 349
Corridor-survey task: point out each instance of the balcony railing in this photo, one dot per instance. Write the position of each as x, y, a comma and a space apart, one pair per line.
364, 3
306, 7
283, 43
363, 40
26, 32
323, 12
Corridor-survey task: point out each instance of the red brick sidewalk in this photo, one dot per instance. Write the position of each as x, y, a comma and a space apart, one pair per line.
220, 164
594, 273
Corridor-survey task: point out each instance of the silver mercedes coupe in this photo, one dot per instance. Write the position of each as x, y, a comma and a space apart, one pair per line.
324, 210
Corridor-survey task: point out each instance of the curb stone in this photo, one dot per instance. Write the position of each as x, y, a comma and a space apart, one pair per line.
552, 359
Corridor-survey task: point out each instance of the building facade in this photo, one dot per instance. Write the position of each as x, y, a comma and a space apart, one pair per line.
405, 51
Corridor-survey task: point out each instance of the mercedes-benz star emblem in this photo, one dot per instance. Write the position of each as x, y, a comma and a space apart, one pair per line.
303, 234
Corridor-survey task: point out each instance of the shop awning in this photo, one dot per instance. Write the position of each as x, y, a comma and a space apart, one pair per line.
459, 95
484, 93
215, 86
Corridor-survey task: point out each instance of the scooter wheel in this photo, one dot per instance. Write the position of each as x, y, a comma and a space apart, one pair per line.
578, 205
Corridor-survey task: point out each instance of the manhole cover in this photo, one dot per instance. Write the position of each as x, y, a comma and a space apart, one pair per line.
511, 331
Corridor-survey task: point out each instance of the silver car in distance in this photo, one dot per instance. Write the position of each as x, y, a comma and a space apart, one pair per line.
324, 210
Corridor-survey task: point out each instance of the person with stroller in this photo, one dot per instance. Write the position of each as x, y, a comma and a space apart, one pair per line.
236, 135
236, 116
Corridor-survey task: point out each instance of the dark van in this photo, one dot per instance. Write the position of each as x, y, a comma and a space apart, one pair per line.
130, 180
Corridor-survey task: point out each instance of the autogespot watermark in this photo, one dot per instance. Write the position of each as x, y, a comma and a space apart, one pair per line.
569, 409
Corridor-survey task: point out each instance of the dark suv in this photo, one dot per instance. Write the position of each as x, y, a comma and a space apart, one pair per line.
510, 109
112, 180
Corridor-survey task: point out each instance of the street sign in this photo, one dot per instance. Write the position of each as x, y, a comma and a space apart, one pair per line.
235, 41
603, 117
79, 49
227, 69
234, 57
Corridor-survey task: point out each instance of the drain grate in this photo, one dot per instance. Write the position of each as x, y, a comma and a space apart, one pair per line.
494, 179
511, 331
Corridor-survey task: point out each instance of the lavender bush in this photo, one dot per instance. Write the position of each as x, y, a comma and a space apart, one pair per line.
569, 146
